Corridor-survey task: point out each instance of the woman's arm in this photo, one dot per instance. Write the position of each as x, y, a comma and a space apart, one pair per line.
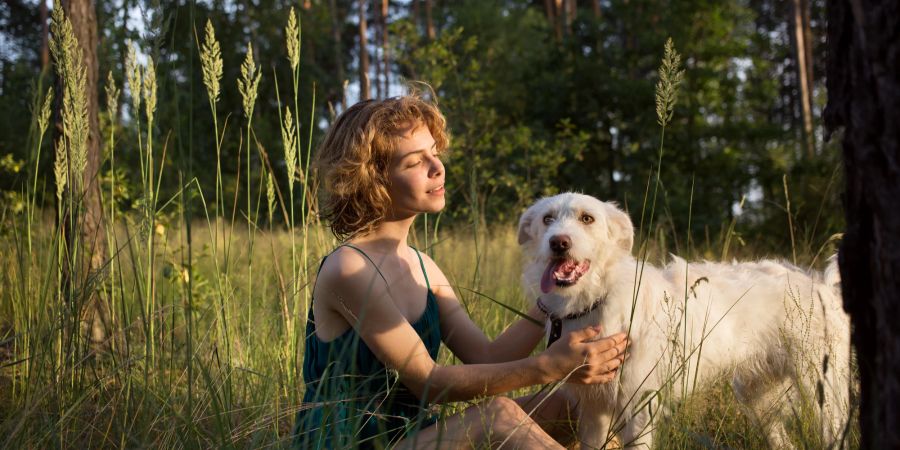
355, 290
467, 341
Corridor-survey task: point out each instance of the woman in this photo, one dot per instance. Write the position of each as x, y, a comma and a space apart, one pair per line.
381, 310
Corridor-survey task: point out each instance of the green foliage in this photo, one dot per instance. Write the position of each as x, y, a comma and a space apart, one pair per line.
203, 353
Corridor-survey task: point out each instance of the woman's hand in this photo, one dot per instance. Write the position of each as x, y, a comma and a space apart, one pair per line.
589, 360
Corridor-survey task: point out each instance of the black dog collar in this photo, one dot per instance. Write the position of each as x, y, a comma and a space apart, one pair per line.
556, 322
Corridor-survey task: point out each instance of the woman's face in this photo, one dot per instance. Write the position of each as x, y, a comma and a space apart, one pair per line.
416, 175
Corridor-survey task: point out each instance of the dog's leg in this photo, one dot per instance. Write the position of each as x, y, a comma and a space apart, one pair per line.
637, 432
833, 397
593, 425
769, 404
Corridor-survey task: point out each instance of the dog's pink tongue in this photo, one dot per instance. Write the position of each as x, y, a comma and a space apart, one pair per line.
547, 281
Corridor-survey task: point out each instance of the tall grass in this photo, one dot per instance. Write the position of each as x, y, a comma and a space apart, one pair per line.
204, 347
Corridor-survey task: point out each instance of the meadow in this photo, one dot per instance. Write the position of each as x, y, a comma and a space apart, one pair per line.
189, 332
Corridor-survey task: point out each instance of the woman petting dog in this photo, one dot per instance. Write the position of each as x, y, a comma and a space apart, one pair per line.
381, 310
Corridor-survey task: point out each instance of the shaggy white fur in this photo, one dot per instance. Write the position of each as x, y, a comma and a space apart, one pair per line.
777, 331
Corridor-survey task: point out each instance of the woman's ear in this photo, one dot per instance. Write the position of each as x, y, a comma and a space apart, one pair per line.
620, 227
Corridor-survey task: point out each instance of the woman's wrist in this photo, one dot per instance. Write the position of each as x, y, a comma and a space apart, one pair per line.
537, 313
545, 368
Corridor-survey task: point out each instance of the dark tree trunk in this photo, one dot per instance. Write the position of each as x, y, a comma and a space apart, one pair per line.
82, 14
429, 23
863, 82
338, 53
385, 50
803, 84
45, 37
376, 50
363, 53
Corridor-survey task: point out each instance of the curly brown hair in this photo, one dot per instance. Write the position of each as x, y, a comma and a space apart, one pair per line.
354, 158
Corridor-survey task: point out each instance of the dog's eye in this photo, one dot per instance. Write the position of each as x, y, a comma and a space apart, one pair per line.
548, 219
587, 219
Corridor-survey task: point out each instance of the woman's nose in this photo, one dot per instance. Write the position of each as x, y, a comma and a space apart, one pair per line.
437, 167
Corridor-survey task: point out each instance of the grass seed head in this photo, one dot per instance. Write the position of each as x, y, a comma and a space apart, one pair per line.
290, 150
249, 82
60, 168
211, 60
270, 195
44, 117
292, 36
133, 76
112, 98
670, 76
150, 90
69, 60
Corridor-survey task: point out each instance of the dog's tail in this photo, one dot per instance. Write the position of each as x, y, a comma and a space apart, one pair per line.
832, 272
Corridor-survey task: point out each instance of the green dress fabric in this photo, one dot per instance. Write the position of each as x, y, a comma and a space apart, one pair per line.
352, 400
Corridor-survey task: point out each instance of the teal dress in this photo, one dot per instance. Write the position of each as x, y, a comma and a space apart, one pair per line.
352, 400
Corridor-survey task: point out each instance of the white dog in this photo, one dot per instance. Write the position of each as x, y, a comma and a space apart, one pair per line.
778, 332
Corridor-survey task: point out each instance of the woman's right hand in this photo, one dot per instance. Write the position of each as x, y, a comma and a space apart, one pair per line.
588, 359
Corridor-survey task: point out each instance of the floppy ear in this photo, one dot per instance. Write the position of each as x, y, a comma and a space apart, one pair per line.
620, 227
525, 224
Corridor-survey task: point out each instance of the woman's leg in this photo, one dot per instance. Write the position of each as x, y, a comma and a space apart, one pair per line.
556, 413
492, 422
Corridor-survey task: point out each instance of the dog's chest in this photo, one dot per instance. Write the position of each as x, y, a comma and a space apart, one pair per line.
611, 323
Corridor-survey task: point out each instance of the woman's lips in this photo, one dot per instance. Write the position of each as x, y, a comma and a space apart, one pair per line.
437, 191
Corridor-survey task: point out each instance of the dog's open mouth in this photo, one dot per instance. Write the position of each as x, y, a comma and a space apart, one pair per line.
562, 273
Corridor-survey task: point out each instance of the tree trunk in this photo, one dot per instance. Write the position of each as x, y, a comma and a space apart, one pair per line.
553, 8
338, 53
363, 53
83, 16
595, 4
571, 8
429, 23
810, 44
385, 52
863, 82
803, 84
45, 37
376, 50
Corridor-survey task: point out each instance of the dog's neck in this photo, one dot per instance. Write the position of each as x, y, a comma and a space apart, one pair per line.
556, 322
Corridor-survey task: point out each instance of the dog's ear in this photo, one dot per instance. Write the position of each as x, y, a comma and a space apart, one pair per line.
525, 224
620, 227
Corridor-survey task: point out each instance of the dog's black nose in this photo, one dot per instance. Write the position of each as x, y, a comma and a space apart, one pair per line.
560, 243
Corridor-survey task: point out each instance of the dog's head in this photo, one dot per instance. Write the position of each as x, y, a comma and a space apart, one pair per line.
569, 235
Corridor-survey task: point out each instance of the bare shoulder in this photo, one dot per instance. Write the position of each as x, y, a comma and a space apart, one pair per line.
438, 280
345, 273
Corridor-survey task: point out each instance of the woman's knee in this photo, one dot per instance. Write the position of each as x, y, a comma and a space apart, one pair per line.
504, 408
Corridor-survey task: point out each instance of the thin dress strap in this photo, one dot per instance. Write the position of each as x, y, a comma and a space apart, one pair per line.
370, 260
422, 263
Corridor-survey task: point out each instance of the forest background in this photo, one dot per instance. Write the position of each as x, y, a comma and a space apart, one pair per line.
165, 288
540, 98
